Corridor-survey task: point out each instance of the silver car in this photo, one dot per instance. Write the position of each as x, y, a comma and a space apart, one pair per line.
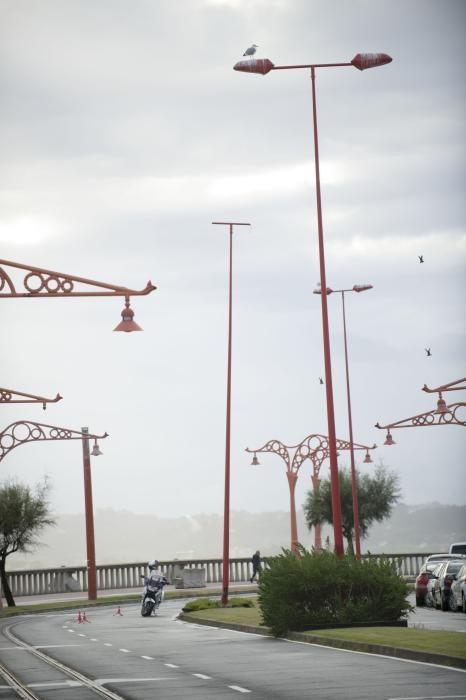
443, 581
458, 591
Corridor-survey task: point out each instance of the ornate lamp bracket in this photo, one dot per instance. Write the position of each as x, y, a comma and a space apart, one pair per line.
39, 282
20, 432
11, 396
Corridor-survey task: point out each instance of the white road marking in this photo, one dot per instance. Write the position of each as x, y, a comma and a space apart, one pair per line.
82, 635
107, 644
240, 689
56, 684
149, 658
53, 646
171, 665
104, 681
126, 651
431, 697
204, 677
93, 639
70, 630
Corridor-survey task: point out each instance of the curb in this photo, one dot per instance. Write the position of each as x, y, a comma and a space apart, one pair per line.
381, 649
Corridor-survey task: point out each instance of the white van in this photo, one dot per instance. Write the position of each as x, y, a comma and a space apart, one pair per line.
457, 548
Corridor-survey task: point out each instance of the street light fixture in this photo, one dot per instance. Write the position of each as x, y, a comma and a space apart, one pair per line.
452, 414
314, 447
361, 62
39, 283
21, 432
226, 507
10, 396
354, 487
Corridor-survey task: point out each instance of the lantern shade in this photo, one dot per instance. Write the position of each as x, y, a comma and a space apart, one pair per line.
441, 406
389, 440
127, 324
255, 65
367, 459
362, 61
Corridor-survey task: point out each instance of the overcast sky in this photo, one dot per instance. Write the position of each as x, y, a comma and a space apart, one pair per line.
125, 132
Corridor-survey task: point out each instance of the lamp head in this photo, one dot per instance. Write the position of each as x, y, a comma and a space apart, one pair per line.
367, 459
362, 61
255, 462
96, 451
361, 287
127, 324
441, 405
254, 65
389, 440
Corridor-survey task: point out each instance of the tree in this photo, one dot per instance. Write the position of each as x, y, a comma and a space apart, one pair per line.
377, 495
23, 514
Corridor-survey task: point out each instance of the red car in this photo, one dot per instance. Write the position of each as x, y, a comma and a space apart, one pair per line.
427, 572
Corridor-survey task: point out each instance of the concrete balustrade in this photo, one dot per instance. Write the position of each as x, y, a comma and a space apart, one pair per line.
115, 576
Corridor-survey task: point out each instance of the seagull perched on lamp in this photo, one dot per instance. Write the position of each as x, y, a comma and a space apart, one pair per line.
251, 51
421, 258
428, 352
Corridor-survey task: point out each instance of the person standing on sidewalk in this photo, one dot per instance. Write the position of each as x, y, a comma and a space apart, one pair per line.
256, 565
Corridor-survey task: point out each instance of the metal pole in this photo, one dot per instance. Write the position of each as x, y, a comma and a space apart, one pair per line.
292, 479
90, 542
226, 507
354, 486
335, 483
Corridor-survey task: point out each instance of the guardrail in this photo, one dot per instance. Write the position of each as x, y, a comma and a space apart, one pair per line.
115, 576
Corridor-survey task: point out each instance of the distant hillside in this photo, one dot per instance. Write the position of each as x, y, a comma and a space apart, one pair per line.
122, 536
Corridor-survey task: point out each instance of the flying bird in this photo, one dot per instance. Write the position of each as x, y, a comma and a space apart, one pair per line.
428, 352
421, 258
321, 380
251, 51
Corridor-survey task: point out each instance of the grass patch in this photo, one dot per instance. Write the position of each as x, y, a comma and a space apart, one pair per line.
434, 641
245, 616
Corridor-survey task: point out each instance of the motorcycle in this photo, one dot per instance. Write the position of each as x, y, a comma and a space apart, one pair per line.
152, 594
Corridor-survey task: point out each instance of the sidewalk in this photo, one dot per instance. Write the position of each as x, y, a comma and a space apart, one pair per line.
81, 596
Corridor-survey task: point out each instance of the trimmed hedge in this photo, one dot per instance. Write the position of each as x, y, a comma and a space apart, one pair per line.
319, 588
206, 603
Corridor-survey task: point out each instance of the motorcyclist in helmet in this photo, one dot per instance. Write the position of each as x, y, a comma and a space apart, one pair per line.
154, 573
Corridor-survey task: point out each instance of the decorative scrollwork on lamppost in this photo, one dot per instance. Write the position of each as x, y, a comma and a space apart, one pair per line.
452, 414
314, 447
40, 282
448, 415
11, 396
22, 432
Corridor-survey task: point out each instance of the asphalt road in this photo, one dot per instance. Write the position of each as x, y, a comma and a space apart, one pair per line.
160, 657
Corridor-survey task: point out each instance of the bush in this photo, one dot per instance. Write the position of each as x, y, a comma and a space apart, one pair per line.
201, 604
319, 588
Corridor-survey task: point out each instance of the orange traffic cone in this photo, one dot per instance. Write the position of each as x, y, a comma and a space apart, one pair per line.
79, 619
84, 618
118, 612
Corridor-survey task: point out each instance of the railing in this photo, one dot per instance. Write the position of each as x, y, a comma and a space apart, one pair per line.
120, 576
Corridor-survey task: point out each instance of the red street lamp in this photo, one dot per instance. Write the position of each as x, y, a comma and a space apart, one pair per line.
362, 62
226, 507
40, 283
11, 396
21, 432
354, 489
442, 415
314, 447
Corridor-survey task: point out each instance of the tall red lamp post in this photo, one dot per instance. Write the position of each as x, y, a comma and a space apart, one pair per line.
21, 432
263, 66
354, 486
226, 505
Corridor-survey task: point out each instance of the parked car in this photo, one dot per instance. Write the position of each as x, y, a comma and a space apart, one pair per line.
458, 591
444, 557
458, 548
445, 576
424, 582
